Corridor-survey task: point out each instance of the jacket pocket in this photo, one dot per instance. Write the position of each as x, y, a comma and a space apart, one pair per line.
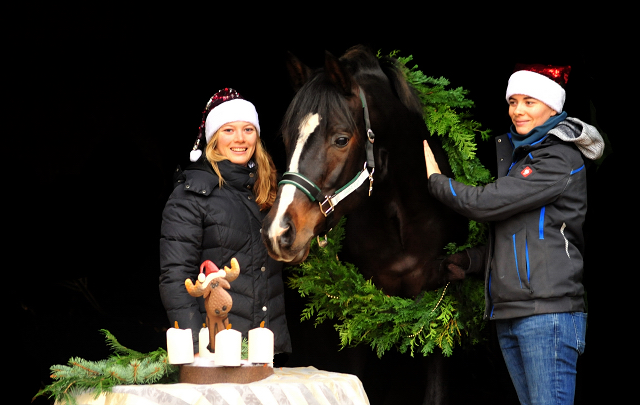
510, 267
521, 264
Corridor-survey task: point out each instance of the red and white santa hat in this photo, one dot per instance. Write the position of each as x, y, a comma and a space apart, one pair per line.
227, 105
543, 82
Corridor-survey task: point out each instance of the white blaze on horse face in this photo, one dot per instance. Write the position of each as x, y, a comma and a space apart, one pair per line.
308, 125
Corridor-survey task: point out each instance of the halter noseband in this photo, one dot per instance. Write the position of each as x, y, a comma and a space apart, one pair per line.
315, 194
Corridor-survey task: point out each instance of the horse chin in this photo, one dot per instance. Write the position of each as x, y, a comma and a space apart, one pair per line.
290, 257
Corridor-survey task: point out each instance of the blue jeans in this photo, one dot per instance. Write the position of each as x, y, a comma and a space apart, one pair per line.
541, 352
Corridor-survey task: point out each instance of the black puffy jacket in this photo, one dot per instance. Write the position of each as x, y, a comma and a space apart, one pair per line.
202, 221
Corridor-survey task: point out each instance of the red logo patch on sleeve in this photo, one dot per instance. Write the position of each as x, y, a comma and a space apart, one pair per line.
526, 171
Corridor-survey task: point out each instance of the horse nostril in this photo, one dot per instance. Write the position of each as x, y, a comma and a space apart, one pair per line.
288, 235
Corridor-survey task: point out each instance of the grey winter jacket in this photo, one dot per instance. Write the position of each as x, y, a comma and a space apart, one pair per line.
536, 208
202, 221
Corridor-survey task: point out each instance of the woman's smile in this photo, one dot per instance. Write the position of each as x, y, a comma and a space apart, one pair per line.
237, 141
527, 113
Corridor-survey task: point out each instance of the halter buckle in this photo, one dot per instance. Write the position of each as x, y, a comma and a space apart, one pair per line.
370, 135
330, 209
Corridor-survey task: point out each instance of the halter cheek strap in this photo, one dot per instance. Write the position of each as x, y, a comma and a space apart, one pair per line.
314, 193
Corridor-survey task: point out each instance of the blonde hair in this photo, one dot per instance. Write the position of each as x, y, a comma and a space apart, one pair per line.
265, 187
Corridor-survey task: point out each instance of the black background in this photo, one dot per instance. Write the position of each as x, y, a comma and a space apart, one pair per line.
107, 102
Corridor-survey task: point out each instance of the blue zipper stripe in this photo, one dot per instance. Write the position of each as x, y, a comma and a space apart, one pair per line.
541, 224
515, 255
526, 249
452, 190
490, 298
576, 171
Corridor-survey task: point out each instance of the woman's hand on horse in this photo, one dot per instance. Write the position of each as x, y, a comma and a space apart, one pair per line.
430, 160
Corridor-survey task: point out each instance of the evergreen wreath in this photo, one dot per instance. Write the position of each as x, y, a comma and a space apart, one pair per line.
444, 318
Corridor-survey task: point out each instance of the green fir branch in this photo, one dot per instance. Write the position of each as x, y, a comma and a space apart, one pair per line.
124, 367
446, 114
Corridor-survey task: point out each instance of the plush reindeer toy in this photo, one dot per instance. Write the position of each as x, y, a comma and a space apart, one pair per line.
212, 284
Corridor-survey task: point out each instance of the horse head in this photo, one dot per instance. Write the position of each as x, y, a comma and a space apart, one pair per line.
322, 132
352, 122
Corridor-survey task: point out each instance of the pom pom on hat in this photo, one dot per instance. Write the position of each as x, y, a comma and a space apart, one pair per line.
195, 154
225, 106
543, 82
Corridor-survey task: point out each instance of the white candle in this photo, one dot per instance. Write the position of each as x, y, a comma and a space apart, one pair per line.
179, 346
203, 339
260, 345
228, 348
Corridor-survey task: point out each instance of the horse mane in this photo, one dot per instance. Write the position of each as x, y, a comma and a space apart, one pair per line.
360, 60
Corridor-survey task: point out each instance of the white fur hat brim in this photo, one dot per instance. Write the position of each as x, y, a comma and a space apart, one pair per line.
230, 111
538, 86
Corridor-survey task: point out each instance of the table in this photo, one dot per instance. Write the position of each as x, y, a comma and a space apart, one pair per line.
289, 386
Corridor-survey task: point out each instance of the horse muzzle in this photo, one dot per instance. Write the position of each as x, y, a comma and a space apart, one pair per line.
288, 229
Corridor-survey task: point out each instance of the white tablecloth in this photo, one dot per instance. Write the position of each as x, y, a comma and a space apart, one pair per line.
304, 385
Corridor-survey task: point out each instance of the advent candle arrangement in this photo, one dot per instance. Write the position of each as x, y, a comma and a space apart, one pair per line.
228, 347
179, 345
261, 345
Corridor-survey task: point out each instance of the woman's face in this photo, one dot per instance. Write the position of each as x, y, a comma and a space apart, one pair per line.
237, 141
527, 113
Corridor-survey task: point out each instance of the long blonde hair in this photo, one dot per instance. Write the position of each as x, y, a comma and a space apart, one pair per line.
265, 187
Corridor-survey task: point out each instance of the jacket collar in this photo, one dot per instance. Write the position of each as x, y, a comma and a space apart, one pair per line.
236, 176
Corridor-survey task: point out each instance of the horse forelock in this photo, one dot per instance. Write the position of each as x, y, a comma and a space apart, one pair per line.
317, 96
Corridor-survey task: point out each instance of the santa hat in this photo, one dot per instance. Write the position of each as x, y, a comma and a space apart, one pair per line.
223, 107
543, 82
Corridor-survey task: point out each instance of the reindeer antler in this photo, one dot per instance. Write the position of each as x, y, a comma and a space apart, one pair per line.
234, 271
212, 272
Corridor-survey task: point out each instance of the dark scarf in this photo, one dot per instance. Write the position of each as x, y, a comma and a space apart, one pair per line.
536, 134
235, 175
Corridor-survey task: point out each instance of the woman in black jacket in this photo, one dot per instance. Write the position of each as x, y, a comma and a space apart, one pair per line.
533, 259
215, 213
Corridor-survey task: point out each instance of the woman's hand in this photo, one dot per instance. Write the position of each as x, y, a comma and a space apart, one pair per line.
430, 160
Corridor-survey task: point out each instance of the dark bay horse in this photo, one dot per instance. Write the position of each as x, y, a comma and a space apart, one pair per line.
358, 119
353, 138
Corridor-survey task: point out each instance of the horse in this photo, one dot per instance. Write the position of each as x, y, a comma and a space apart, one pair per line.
353, 137
353, 124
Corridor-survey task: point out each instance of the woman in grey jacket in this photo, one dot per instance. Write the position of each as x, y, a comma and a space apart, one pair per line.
215, 213
533, 259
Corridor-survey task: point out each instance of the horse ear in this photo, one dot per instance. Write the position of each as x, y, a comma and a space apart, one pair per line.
299, 73
337, 73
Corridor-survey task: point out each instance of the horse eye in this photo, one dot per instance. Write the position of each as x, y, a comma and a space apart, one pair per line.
342, 141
